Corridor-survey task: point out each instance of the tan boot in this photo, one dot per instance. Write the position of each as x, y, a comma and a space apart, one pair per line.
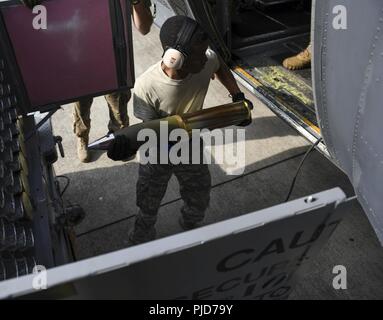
82, 149
300, 61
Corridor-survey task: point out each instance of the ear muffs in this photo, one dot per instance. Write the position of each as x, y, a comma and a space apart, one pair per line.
175, 56
173, 59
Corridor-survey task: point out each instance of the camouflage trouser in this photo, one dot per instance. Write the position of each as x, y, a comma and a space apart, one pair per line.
118, 113
195, 185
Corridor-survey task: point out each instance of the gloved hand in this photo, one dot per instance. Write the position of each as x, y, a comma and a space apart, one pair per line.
120, 149
31, 3
240, 96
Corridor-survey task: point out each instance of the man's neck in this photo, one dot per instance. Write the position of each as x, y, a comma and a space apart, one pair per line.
174, 74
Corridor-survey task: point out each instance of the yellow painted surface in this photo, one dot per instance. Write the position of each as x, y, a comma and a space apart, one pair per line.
280, 84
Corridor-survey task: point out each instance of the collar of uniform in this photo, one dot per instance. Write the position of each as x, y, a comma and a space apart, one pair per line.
169, 80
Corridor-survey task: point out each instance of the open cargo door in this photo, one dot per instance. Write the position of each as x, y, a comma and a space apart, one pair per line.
348, 69
85, 49
255, 256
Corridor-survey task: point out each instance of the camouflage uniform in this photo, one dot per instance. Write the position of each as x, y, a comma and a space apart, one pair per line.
195, 186
194, 179
118, 113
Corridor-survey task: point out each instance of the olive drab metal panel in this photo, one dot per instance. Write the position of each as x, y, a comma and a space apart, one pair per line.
83, 50
348, 81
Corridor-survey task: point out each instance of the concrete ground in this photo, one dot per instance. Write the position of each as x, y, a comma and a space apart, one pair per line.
106, 190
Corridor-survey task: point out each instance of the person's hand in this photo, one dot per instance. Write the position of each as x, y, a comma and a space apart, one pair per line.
31, 3
120, 149
240, 96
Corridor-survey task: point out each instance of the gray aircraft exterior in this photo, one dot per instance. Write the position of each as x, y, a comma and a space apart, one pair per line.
340, 101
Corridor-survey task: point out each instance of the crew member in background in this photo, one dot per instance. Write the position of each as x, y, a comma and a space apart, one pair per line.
300, 61
170, 87
118, 101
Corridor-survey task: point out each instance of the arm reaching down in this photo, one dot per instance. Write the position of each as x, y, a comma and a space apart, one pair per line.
142, 16
225, 76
